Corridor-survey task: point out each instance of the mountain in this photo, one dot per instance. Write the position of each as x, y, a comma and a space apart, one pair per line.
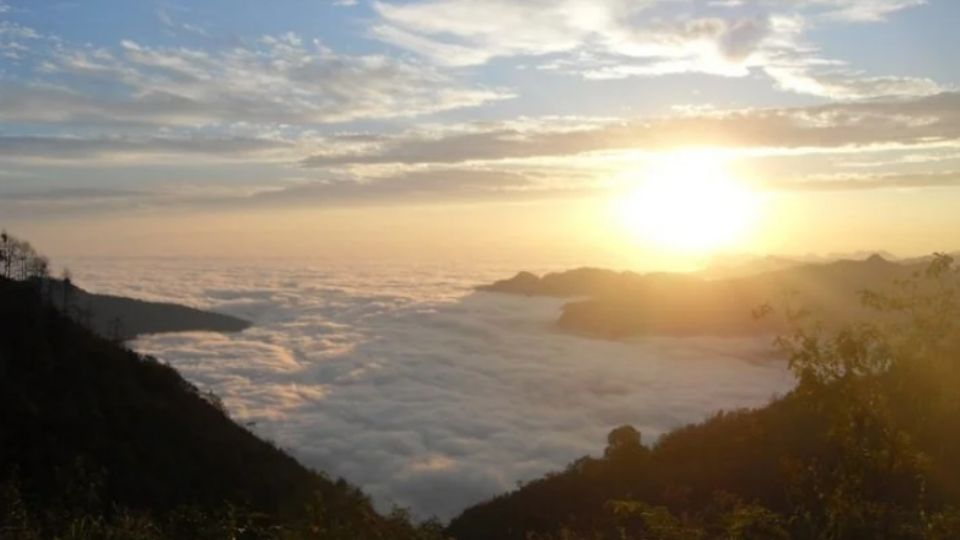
866, 446
748, 470
579, 282
122, 318
101, 442
731, 266
624, 304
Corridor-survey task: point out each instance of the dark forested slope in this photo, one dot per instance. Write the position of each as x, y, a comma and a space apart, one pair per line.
92, 434
865, 447
122, 318
110, 316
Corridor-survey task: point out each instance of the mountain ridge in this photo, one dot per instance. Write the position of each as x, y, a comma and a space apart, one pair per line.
614, 305
862, 447
101, 442
123, 318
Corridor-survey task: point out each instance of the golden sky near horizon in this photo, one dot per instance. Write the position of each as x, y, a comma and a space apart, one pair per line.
629, 134
573, 232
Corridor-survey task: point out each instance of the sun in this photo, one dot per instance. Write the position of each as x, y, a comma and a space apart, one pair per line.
687, 202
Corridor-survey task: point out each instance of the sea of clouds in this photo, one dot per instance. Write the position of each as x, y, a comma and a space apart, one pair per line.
429, 396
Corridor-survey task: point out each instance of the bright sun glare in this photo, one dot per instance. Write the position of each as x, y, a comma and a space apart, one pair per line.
688, 202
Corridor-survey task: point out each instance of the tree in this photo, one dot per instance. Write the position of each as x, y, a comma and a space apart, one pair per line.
887, 389
116, 330
5, 260
67, 283
622, 441
19, 260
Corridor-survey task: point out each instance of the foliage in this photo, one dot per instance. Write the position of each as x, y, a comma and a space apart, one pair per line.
866, 446
99, 442
18, 259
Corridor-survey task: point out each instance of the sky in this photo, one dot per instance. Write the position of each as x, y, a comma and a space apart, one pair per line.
478, 129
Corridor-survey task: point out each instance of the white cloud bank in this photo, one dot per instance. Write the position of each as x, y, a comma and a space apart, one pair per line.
426, 396
613, 39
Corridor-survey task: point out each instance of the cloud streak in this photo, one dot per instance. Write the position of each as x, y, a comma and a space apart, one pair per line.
613, 39
534, 158
881, 181
279, 80
85, 148
826, 126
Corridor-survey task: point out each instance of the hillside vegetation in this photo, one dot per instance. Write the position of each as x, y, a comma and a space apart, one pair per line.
122, 318
115, 317
99, 442
867, 445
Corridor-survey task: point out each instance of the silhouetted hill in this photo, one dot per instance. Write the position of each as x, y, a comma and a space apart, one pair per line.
732, 266
737, 452
750, 459
865, 447
122, 318
579, 282
94, 436
622, 304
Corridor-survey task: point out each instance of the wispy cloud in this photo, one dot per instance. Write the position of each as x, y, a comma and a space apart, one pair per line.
851, 182
279, 80
610, 39
832, 126
176, 26
69, 195
15, 39
863, 10
524, 159
462, 32
63, 148
428, 185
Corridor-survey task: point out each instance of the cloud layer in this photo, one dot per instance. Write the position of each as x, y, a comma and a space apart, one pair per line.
877, 144
832, 126
426, 103
612, 39
278, 80
425, 395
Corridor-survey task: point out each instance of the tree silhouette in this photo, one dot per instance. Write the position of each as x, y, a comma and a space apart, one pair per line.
624, 440
20, 261
66, 280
